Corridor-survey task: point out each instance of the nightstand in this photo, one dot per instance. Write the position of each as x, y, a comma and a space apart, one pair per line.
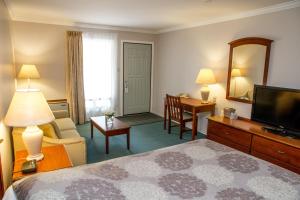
55, 157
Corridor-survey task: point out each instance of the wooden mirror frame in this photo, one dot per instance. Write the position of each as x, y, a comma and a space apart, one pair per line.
244, 41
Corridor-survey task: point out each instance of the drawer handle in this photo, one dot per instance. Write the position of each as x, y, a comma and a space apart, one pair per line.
280, 152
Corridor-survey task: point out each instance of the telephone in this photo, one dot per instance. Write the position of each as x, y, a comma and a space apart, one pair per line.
230, 113
29, 166
184, 95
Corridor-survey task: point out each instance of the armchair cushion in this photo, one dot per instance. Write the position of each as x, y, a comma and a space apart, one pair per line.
69, 134
62, 125
65, 124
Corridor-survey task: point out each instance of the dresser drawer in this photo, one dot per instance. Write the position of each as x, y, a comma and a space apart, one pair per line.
229, 143
231, 134
276, 152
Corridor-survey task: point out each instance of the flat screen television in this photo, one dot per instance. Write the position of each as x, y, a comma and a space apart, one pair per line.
277, 107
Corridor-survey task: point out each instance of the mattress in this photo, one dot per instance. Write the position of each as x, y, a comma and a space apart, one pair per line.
200, 169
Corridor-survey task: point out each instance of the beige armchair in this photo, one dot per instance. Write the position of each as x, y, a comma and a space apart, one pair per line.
61, 131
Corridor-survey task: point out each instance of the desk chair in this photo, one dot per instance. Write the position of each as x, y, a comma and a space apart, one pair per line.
176, 114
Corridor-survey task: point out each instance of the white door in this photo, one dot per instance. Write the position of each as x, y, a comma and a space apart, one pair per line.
137, 77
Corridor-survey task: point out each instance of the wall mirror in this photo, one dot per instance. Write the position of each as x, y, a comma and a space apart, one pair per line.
248, 65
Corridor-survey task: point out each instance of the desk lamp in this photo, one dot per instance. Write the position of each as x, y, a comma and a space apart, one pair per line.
205, 77
28, 72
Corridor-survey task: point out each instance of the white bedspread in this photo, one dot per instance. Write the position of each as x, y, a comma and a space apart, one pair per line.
201, 169
9, 194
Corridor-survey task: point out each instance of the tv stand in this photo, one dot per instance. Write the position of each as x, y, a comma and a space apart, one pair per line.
256, 139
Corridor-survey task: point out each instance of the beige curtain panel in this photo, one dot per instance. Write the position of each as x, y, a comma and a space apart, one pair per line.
74, 77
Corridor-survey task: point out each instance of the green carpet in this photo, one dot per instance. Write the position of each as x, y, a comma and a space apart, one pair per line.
144, 138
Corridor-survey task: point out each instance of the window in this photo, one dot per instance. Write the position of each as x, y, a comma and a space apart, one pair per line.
100, 72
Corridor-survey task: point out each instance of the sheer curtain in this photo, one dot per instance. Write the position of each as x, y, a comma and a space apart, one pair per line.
100, 72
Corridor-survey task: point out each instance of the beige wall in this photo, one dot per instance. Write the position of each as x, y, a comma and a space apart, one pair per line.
181, 54
44, 45
6, 88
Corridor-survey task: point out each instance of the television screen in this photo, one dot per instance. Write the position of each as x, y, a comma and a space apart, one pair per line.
278, 107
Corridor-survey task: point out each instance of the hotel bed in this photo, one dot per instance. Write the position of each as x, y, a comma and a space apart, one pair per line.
201, 169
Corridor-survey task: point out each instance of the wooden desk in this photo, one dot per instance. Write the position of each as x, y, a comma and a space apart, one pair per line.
55, 157
117, 128
194, 106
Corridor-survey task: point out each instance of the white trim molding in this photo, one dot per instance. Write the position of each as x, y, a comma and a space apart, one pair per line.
256, 12
115, 28
251, 13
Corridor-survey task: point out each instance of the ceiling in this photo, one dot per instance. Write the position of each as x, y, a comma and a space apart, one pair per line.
140, 15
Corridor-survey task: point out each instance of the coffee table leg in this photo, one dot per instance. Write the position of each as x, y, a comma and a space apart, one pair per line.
107, 144
92, 130
128, 140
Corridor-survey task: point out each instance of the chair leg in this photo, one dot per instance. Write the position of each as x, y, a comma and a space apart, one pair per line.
197, 126
182, 125
169, 126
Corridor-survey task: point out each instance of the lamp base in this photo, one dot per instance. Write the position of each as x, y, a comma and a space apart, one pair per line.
36, 157
205, 94
32, 138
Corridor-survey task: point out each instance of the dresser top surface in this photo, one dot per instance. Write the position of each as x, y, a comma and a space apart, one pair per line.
256, 129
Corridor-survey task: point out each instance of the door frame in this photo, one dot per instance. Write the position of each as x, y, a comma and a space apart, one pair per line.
122, 71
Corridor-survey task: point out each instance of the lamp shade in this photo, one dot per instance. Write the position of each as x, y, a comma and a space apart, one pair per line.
28, 71
236, 72
28, 108
206, 76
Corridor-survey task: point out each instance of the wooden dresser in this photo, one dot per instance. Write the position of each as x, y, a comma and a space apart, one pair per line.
249, 137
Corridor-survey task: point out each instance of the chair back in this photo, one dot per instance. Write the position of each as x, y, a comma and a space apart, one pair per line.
175, 108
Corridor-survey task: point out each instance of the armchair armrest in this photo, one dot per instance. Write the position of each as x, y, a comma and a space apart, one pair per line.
67, 141
75, 147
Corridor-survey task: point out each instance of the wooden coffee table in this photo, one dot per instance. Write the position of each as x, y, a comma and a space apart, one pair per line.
116, 128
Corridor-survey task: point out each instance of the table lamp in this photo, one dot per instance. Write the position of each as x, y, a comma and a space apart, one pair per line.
29, 108
205, 77
235, 72
28, 72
